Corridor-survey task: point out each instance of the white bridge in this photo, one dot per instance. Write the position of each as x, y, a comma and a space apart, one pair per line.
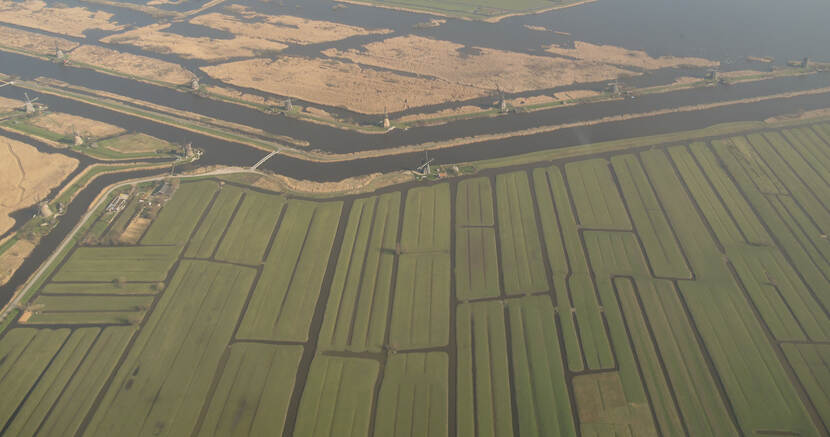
262, 161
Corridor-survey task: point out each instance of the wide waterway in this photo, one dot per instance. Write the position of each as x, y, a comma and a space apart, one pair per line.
335, 140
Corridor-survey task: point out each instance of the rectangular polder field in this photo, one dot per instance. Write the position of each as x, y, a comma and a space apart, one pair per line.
477, 264
87, 318
784, 302
286, 294
163, 383
358, 305
754, 164
661, 247
806, 185
72, 310
124, 263
484, 399
253, 393
24, 355
207, 237
426, 220
694, 237
474, 203
751, 227
703, 408
648, 358
50, 382
605, 411
101, 288
59, 402
338, 398
715, 212
413, 399
752, 375
93, 303
564, 247
523, 266
769, 148
249, 233
810, 363
180, 214
421, 306
595, 195
542, 398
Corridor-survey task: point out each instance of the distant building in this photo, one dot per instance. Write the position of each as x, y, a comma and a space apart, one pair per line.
118, 203
165, 190
45, 211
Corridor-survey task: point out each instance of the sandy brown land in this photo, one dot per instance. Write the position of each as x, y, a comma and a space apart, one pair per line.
739, 73
339, 84
266, 34
815, 113
132, 65
467, 109
613, 55
283, 28
536, 28
65, 123
55, 18
27, 176
155, 39
484, 68
351, 185
12, 258
7, 104
33, 42
134, 230
575, 94
533, 100
248, 97
686, 80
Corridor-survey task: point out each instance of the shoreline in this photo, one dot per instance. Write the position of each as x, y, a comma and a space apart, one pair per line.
494, 19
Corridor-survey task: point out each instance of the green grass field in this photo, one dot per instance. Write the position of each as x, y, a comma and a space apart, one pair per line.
673, 289
361, 290
107, 264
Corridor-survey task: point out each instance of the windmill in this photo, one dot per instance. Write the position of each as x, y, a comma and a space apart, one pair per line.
386, 123
502, 103
59, 55
3, 83
288, 105
194, 83
77, 139
29, 105
424, 168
